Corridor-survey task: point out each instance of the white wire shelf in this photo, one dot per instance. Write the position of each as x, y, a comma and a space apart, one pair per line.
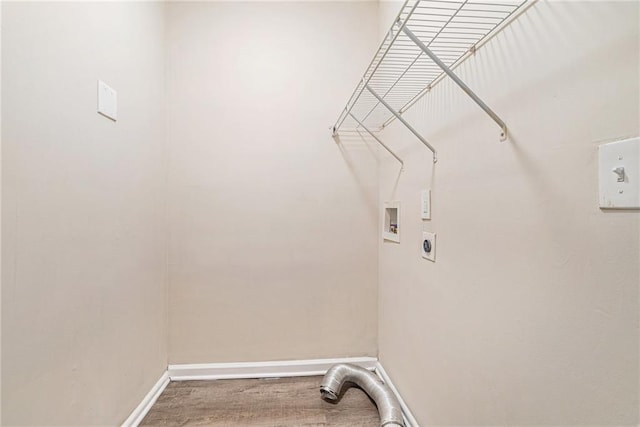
426, 40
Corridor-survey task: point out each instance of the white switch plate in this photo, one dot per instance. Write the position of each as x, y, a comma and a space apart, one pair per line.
107, 101
425, 204
431, 237
619, 169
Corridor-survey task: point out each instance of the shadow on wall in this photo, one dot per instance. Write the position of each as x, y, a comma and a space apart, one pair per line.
351, 143
493, 63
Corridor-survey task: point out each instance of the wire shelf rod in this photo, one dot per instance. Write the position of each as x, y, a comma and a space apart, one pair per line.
419, 55
520, 9
393, 38
374, 136
459, 82
404, 122
401, 72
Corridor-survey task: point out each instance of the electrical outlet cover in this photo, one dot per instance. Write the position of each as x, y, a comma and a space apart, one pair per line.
428, 245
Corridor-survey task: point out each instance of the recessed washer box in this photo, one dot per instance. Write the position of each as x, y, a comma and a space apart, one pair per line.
391, 221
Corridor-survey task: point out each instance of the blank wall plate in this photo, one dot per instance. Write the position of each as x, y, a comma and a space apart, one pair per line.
428, 246
107, 101
425, 204
619, 170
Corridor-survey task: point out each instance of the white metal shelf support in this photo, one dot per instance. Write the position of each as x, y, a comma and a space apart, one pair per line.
403, 121
378, 140
427, 40
375, 63
458, 81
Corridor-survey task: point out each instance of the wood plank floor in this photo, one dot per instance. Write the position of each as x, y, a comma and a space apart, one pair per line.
259, 402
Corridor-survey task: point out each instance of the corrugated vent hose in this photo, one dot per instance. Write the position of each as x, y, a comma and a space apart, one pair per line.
388, 406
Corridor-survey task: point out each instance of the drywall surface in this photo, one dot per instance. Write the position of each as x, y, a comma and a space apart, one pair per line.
0, 216
83, 231
530, 314
273, 224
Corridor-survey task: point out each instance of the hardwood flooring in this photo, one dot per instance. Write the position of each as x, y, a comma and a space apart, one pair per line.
259, 402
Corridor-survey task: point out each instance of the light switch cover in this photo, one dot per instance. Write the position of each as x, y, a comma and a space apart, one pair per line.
425, 204
619, 169
107, 101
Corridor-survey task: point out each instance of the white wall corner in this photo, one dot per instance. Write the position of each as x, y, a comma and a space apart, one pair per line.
143, 408
409, 419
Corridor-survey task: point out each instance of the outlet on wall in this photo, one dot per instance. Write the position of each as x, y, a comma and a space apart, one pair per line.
429, 246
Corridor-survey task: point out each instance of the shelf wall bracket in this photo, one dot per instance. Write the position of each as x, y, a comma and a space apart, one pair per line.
378, 139
458, 81
403, 121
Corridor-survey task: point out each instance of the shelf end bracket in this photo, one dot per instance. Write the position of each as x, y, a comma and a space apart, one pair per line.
459, 82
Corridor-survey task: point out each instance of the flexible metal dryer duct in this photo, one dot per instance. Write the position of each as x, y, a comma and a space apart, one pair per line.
388, 406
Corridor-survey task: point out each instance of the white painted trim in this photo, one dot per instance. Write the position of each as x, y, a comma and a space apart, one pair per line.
141, 410
285, 368
409, 419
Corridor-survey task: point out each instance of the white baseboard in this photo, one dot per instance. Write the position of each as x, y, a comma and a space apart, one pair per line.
141, 410
409, 419
286, 368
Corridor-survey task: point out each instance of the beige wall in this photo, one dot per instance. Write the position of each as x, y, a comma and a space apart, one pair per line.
530, 314
0, 216
272, 224
83, 248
